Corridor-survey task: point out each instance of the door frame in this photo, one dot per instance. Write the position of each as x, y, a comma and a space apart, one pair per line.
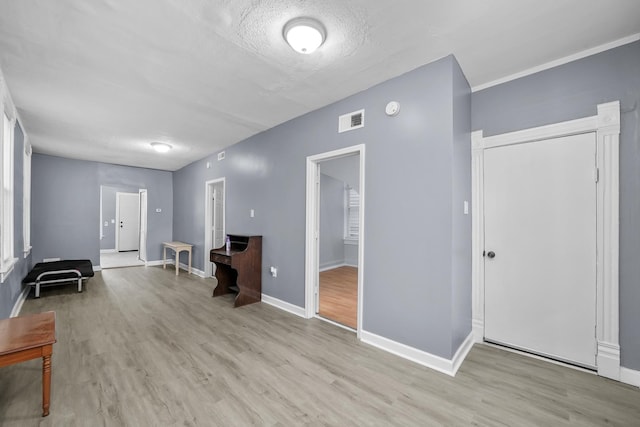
312, 226
208, 223
143, 224
118, 193
606, 125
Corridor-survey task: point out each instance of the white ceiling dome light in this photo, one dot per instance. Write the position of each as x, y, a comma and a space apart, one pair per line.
304, 35
161, 147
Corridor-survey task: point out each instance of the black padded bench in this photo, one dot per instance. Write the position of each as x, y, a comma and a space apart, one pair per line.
58, 272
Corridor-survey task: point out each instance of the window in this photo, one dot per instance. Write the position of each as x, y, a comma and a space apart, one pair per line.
7, 260
352, 214
26, 197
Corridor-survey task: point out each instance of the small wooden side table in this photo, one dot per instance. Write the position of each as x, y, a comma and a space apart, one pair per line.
26, 338
177, 247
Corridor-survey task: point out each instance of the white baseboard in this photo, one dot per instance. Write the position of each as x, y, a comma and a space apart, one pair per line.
97, 268
440, 364
630, 376
108, 251
331, 266
283, 305
477, 328
17, 307
608, 360
195, 271
156, 263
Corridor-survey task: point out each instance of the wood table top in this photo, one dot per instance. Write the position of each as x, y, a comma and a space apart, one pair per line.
23, 333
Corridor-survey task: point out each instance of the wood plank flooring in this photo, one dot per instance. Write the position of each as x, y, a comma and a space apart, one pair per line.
339, 295
142, 347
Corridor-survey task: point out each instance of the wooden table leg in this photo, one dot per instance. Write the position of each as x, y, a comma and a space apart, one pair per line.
164, 258
46, 380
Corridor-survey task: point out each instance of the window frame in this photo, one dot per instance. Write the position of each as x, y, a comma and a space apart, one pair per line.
7, 170
351, 213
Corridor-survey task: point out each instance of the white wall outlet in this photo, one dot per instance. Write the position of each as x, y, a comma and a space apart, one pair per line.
113, 221
252, 213
466, 207
208, 165
106, 223
274, 271
158, 210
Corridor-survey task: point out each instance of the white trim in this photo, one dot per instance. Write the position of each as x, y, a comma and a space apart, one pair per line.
283, 305
108, 251
607, 127
8, 266
334, 323
561, 61
332, 266
194, 270
629, 376
437, 363
208, 215
17, 307
157, 263
97, 268
312, 235
143, 223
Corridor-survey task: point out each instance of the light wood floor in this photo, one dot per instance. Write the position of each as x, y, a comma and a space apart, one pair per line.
142, 347
339, 295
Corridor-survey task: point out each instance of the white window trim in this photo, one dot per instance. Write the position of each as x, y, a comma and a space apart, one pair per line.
7, 261
349, 239
26, 197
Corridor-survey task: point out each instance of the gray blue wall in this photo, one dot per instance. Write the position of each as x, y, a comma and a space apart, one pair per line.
569, 92
331, 222
12, 287
108, 241
66, 206
409, 201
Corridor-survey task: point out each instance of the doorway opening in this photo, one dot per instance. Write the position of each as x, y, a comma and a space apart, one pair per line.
214, 221
123, 227
334, 237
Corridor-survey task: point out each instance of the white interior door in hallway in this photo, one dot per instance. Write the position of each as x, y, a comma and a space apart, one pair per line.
540, 247
127, 236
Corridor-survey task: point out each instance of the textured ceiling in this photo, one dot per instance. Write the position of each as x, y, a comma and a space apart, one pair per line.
100, 80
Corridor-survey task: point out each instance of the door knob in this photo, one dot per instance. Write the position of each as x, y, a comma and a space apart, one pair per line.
491, 254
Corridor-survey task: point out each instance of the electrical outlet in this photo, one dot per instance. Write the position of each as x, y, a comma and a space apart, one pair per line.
274, 271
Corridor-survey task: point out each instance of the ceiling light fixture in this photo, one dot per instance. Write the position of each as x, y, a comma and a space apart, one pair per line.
304, 35
161, 147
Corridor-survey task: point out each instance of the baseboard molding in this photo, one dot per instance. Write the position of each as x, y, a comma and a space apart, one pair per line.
477, 328
331, 266
630, 376
194, 270
437, 363
283, 305
156, 263
17, 307
608, 360
108, 251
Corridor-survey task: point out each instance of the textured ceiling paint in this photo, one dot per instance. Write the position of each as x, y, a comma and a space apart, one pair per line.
100, 80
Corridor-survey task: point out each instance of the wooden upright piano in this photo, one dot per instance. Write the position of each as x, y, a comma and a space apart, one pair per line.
239, 269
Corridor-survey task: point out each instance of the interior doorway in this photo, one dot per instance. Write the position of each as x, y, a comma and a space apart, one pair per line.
117, 248
214, 221
333, 278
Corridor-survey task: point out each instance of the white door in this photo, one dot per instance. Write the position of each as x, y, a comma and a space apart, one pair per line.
540, 246
142, 244
128, 221
218, 236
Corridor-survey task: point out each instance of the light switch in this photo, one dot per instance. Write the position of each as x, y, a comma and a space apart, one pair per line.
466, 207
252, 213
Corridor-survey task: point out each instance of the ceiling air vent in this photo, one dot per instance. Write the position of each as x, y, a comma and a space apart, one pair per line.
351, 121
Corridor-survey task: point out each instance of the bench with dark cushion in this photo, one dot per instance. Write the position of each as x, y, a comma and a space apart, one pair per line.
59, 272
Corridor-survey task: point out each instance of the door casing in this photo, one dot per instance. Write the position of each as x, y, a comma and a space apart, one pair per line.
209, 188
312, 229
606, 124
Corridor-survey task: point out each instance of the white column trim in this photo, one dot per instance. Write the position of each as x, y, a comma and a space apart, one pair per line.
606, 124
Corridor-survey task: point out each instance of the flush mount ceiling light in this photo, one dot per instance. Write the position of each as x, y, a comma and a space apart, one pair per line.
161, 147
304, 35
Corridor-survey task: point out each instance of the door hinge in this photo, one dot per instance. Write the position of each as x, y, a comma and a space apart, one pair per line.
597, 175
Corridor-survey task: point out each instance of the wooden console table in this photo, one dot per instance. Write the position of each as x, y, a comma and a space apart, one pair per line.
26, 338
177, 247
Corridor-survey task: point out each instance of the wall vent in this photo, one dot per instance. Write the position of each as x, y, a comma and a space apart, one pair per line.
221, 155
351, 121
